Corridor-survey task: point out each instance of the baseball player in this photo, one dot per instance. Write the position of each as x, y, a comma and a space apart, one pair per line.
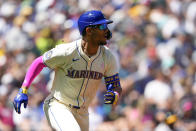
79, 68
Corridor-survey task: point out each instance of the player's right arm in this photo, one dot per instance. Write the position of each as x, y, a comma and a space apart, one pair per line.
52, 59
34, 69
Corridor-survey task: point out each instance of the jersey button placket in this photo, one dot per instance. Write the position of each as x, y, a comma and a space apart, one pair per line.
88, 68
89, 64
86, 79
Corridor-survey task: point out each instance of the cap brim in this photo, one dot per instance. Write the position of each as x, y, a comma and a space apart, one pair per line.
104, 21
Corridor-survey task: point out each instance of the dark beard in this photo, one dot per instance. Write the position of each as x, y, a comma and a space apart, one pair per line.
102, 43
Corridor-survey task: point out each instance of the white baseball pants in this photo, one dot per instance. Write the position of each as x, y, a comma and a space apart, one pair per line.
63, 118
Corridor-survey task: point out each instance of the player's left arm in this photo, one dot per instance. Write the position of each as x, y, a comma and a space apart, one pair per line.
112, 79
113, 89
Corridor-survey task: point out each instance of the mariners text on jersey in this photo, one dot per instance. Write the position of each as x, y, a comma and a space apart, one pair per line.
84, 74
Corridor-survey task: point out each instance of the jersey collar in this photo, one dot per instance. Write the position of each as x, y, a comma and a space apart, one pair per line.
79, 45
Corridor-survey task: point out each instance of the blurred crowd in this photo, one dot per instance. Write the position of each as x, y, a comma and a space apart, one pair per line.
154, 42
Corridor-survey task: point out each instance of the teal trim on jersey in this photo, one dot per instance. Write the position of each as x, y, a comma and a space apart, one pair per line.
90, 70
83, 78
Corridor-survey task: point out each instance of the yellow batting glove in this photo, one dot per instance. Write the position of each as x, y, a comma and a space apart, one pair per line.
111, 97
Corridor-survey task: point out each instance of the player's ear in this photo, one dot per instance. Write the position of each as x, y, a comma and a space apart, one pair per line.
88, 30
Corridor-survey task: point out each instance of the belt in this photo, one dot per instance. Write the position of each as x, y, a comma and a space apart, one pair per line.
69, 105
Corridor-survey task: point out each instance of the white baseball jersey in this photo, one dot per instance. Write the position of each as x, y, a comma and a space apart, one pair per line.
77, 77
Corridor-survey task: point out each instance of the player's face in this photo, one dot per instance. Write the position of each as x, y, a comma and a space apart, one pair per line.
99, 34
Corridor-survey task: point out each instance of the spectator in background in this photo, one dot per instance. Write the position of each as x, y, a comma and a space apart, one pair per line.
158, 91
6, 118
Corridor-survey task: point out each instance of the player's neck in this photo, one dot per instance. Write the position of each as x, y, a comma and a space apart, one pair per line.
89, 49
